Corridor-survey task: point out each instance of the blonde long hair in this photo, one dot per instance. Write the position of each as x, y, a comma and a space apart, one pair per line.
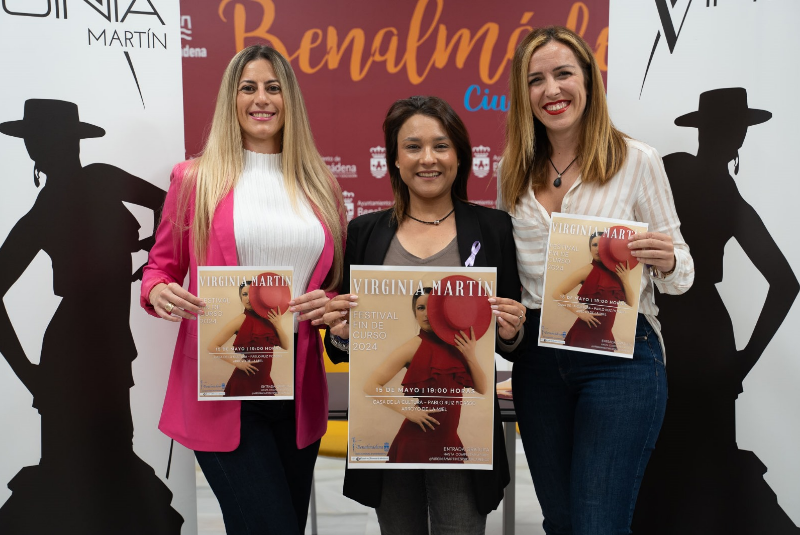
601, 147
215, 172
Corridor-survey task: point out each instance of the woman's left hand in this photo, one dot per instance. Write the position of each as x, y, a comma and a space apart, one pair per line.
510, 316
654, 249
311, 306
274, 316
623, 271
466, 345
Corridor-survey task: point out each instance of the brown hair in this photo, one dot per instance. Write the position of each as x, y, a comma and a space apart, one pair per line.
435, 107
601, 147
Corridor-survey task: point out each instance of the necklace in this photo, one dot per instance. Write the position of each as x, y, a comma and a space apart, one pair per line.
431, 222
557, 181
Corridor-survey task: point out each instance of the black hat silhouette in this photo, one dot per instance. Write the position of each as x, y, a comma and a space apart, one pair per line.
54, 115
726, 106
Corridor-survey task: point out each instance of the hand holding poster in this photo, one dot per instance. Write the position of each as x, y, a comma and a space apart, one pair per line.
245, 338
591, 286
421, 368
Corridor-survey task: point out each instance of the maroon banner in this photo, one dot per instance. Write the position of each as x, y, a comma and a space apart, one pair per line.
354, 58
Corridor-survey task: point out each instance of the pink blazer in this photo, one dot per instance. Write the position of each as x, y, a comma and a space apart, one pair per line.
214, 425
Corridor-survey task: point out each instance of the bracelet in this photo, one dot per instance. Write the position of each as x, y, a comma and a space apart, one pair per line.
658, 274
342, 344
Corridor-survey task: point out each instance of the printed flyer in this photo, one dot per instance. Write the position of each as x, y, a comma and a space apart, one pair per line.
245, 339
592, 283
421, 368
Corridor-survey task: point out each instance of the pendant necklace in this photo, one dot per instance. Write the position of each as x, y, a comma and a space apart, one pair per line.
436, 222
557, 181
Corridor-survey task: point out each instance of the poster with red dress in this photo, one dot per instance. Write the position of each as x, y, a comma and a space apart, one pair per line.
245, 338
421, 368
592, 284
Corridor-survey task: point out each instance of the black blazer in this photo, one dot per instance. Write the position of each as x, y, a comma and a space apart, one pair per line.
368, 240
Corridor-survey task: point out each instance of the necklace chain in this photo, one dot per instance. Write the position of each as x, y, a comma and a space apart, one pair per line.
436, 222
557, 181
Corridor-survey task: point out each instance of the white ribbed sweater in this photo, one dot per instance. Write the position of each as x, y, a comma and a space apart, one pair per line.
269, 231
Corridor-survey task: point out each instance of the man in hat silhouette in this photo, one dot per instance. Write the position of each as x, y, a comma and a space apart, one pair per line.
698, 481
89, 480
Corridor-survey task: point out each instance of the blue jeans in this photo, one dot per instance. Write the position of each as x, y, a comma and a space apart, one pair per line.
264, 485
588, 424
407, 497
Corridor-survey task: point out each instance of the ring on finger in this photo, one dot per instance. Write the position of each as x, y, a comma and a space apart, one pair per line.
168, 307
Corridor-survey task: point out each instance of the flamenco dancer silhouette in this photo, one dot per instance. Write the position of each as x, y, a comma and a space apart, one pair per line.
89, 480
698, 480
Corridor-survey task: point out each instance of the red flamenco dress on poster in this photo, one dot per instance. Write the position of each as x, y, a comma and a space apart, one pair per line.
436, 369
255, 341
601, 291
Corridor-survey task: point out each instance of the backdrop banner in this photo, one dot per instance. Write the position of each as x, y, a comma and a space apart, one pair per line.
698, 81
354, 59
91, 122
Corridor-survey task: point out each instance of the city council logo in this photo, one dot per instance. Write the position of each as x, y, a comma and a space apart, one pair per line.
480, 161
377, 162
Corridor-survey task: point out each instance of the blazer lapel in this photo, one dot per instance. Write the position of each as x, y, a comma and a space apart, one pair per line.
469, 235
380, 239
223, 233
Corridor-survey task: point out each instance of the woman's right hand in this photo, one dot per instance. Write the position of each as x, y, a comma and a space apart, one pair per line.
247, 367
422, 418
180, 302
337, 314
590, 319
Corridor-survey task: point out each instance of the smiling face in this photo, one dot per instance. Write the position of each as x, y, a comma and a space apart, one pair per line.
421, 312
557, 88
259, 107
426, 158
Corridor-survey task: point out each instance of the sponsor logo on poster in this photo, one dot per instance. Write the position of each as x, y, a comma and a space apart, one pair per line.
367, 207
377, 162
480, 161
339, 169
186, 35
348, 204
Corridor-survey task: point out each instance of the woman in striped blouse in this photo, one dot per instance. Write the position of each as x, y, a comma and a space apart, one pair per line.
588, 421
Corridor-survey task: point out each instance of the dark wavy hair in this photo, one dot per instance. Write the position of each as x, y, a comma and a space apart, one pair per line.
435, 107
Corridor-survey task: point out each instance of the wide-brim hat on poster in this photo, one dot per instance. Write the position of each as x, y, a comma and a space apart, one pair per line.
615, 251
449, 314
266, 298
724, 106
46, 115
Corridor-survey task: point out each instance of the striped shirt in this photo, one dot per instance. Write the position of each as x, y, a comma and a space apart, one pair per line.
639, 192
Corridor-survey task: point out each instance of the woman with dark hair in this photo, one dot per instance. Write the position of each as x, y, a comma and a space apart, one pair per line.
255, 338
588, 421
593, 328
429, 157
259, 195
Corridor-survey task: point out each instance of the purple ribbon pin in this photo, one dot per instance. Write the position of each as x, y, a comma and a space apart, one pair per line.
471, 260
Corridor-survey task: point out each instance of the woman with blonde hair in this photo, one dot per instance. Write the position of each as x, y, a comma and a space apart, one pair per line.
588, 421
258, 195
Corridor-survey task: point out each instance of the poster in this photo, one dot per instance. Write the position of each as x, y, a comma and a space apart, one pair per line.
726, 458
87, 150
353, 59
592, 284
421, 368
245, 336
